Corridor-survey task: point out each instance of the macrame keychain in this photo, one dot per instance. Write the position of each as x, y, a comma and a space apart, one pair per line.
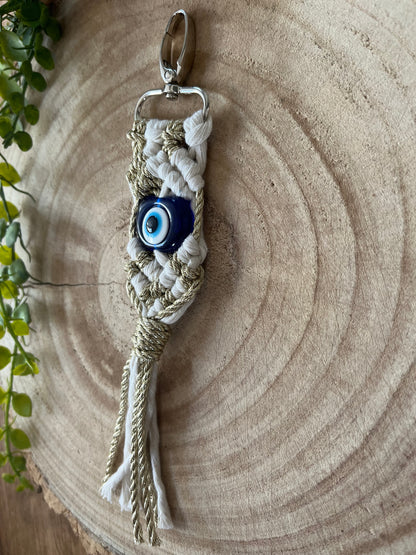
166, 249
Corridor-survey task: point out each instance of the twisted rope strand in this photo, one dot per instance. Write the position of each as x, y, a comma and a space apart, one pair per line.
134, 474
199, 207
138, 474
120, 420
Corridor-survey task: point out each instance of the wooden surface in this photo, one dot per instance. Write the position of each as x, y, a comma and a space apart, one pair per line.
287, 397
29, 525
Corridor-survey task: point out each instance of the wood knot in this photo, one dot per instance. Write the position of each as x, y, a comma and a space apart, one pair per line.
150, 338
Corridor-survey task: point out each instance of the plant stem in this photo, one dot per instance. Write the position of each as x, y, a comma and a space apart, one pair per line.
11, 331
7, 440
6, 208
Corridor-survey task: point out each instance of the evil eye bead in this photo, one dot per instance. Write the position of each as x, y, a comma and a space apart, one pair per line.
163, 223
155, 226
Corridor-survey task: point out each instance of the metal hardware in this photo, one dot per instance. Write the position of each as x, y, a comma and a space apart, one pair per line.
169, 73
174, 71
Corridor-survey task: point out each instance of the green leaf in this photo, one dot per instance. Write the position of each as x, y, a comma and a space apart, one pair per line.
24, 484
3, 227
8, 174
16, 102
31, 114
38, 40
19, 359
22, 370
22, 312
20, 327
30, 12
53, 29
23, 367
5, 125
22, 404
44, 58
8, 310
11, 46
2, 332
7, 86
27, 23
12, 234
19, 463
34, 366
13, 211
17, 271
26, 69
5, 356
6, 255
9, 289
3, 459
37, 81
44, 16
23, 140
19, 439
3, 397
25, 33
9, 478
10, 6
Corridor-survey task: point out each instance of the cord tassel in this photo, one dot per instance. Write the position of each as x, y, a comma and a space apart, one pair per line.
149, 341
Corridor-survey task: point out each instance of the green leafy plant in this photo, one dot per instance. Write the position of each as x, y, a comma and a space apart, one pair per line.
25, 24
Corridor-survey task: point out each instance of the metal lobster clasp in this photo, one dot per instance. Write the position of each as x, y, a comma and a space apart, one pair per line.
167, 62
175, 69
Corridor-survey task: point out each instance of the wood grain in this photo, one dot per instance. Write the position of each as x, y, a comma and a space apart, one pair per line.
287, 398
29, 525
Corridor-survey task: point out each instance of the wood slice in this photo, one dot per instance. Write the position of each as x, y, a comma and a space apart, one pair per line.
286, 394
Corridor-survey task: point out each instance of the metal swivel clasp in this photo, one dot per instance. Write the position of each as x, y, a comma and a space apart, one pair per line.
174, 71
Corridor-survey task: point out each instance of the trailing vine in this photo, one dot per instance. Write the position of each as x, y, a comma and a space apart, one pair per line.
25, 24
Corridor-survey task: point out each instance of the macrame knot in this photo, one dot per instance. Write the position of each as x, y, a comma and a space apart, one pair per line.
150, 338
196, 129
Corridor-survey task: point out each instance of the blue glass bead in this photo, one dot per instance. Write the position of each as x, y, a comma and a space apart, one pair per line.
163, 223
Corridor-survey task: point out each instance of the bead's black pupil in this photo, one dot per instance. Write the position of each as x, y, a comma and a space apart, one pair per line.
151, 224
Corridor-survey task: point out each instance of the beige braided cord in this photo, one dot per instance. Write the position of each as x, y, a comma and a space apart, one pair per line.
199, 207
119, 422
